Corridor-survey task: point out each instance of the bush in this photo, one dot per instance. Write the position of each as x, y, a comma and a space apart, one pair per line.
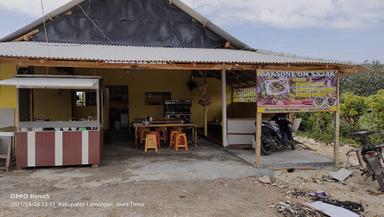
356, 112
352, 108
366, 83
376, 105
318, 126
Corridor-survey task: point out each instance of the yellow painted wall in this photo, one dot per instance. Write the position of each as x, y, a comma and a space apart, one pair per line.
54, 105
143, 81
139, 82
214, 109
7, 93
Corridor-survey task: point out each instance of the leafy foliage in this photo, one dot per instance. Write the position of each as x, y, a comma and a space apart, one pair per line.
362, 106
376, 105
352, 108
357, 112
366, 83
318, 126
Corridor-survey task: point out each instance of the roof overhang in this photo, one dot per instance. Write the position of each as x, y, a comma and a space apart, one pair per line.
109, 56
47, 82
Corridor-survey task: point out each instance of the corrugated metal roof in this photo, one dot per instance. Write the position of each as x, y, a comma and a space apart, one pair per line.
127, 54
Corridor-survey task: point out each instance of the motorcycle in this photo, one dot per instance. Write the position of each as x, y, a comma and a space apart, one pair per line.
372, 156
276, 134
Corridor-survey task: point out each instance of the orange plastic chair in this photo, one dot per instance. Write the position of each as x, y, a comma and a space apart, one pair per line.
181, 141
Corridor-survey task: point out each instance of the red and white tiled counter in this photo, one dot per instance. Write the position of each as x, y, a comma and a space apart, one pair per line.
58, 148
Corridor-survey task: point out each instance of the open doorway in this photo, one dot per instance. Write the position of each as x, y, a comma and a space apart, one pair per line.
117, 103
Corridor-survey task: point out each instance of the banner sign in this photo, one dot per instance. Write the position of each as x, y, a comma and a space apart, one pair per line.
296, 91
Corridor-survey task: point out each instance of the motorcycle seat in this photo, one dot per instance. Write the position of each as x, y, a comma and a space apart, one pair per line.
362, 133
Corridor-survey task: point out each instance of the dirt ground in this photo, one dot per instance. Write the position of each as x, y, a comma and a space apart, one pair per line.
356, 188
235, 196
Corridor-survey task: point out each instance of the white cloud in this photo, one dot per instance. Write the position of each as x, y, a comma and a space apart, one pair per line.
276, 13
294, 13
31, 7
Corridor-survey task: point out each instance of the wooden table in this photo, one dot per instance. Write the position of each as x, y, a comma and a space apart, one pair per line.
157, 125
8, 132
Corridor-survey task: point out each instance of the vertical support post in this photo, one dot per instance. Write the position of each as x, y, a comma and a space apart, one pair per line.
106, 121
224, 106
102, 107
232, 101
205, 121
98, 104
71, 105
31, 106
17, 110
337, 125
336, 147
259, 117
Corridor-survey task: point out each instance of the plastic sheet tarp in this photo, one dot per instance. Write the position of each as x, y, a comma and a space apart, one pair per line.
129, 22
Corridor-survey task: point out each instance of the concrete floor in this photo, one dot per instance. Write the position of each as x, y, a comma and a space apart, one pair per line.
284, 159
206, 181
206, 162
123, 164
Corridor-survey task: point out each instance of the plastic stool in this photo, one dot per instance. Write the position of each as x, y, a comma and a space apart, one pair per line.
151, 142
181, 141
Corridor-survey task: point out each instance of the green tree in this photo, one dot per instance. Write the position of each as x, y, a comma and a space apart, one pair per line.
352, 108
366, 83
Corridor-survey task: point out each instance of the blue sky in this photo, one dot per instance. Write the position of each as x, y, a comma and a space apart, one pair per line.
348, 30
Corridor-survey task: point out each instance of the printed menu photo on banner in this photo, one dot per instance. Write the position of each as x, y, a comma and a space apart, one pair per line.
296, 91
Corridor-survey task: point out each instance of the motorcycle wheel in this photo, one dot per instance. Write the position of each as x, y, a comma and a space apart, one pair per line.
293, 145
266, 149
380, 180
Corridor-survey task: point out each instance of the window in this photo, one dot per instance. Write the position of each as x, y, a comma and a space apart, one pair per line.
84, 98
244, 94
118, 93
